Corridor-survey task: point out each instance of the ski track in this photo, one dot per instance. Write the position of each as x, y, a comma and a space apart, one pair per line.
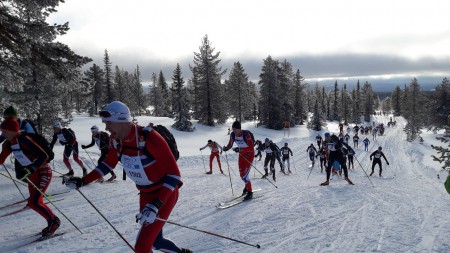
405, 211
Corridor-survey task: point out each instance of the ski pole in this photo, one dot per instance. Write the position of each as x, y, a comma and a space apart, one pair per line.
257, 170
14, 181
229, 173
203, 159
209, 233
226, 158
51, 202
364, 171
121, 236
293, 163
312, 167
391, 169
89, 157
9, 177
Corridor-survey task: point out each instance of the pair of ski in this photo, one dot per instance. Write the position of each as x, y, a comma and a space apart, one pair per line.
25, 200
24, 209
39, 238
235, 201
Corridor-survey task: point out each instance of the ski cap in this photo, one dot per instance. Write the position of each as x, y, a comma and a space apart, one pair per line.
266, 140
10, 112
236, 125
10, 124
379, 148
115, 111
94, 128
327, 135
56, 124
209, 141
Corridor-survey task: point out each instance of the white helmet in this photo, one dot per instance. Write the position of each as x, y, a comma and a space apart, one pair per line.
115, 112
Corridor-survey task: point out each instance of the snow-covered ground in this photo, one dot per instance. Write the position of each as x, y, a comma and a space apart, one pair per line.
406, 211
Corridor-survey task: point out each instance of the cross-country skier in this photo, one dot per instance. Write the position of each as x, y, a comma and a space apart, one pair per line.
101, 139
66, 137
215, 149
278, 156
323, 158
356, 129
149, 162
350, 153
33, 161
24, 127
374, 133
346, 138
285, 151
355, 140
312, 152
366, 144
270, 150
259, 147
377, 154
341, 128
333, 146
245, 148
287, 128
319, 141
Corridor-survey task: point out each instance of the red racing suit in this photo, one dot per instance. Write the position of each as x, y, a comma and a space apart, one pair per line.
244, 141
149, 162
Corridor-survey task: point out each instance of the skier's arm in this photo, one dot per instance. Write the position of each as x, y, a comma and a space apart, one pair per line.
371, 155
53, 140
204, 146
220, 147
91, 144
290, 151
110, 162
6, 150
37, 151
230, 143
382, 154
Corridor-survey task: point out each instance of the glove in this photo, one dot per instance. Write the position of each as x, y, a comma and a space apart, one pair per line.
201, 149
220, 152
237, 150
371, 158
148, 213
73, 182
225, 149
387, 163
83, 146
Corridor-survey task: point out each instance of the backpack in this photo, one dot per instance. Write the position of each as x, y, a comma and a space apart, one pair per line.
43, 143
251, 135
167, 135
23, 122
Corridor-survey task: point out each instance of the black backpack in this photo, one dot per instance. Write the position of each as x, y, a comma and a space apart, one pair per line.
43, 143
167, 135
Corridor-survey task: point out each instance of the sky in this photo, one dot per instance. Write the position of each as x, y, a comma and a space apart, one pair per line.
327, 40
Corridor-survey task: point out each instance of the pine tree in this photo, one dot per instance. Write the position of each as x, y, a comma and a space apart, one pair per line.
317, 121
138, 93
299, 99
165, 98
440, 106
368, 101
240, 93
359, 103
414, 110
93, 77
180, 103
396, 99
109, 92
33, 67
156, 97
335, 110
269, 103
286, 81
208, 87
345, 107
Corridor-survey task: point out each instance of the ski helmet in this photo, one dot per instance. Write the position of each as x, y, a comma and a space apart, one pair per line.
94, 128
379, 148
115, 111
266, 140
56, 124
327, 135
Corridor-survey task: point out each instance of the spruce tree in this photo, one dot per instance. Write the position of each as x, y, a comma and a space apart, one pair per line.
269, 102
180, 102
440, 106
156, 97
208, 87
239, 90
414, 110
396, 99
93, 77
109, 92
316, 123
299, 99
368, 101
165, 98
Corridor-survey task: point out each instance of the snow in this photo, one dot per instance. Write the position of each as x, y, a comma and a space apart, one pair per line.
406, 211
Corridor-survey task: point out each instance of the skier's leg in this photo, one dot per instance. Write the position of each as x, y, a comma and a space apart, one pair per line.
41, 179
245, 162
149, 232
75, 156
67, 153
218, 162
373, 166
211, 158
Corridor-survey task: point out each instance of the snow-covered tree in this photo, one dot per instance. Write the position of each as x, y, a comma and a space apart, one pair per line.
414, 111
317, 122
180, 102
108, 90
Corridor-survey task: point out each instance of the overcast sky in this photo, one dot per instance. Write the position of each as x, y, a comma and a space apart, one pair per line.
325, 39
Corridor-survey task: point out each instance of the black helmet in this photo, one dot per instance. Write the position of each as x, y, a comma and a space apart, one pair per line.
209, 141
379, 148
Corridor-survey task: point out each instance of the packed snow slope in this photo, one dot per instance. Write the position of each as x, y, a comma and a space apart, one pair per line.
406, 210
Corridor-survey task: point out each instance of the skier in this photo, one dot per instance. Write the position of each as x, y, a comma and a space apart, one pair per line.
149, 162
377, 154
66, 137
366, 144
323, 158
270, 150
278, 156
333, 146
214, 154
355, 140
101, 139
35, 170
350, 153
374, 133
312, 152
259, 147
285, 151
245, 148
341, 128
346, 138
24, 127
287, 128
356, 129
319, 140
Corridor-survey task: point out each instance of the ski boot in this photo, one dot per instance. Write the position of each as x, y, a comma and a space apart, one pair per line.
53, 225
111, 178
69, 174
325, 183
348, 180
84, 172
249, 195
